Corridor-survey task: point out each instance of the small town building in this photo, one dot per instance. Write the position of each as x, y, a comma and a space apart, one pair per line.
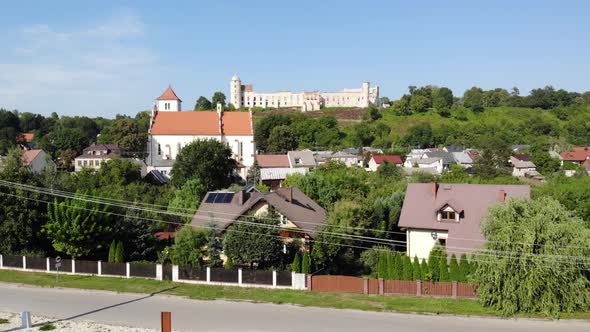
450, 214
523, 167
377, 160
97, 154
35, 160
171, 129
299, 217
274, 169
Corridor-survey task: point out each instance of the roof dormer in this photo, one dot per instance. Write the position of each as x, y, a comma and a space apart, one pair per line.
449, 212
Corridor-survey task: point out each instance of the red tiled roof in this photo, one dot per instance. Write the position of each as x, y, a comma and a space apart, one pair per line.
25, 137
29, 156
169, 95
201, 123
522, 157
379, 159
578, 153
272, 160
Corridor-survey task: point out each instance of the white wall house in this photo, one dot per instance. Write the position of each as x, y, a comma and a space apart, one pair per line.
35, 160
245, 96
435, 164
172, 129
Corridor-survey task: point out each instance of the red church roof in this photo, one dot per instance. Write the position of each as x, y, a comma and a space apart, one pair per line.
169, 95
202, 123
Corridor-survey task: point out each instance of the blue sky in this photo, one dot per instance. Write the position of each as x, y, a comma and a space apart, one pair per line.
101, 58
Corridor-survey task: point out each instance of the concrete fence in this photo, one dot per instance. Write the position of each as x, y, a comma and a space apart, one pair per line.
211, 276
347, 284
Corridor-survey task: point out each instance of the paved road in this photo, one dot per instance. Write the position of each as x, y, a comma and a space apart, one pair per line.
189, 315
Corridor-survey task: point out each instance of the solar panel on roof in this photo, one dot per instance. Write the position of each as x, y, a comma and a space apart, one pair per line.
228, 198
211, 198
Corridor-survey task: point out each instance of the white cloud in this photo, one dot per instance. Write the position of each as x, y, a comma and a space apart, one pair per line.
72, 70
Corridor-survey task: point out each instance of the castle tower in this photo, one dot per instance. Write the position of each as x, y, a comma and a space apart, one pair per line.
365, 95
235, 88
168, 101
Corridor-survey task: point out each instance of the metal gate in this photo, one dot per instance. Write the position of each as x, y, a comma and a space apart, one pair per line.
167, 271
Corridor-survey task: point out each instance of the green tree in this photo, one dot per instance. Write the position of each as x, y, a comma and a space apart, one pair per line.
296, 265
442, 99
417, 270
437, 254
419, 104
77, 227
112, 251
455, 273
208, 160
398, 266
188, 247
391, 270
126, 133
218, 98
473, 99
187, 199
120, 253
382, 265
254, 242
419, 136
214, 246
281, 140
425, 273
306, 264
443, 274
265, 126
203, 104
549, 274
70, 139
253, 177
463, 268
408, 272
228, 264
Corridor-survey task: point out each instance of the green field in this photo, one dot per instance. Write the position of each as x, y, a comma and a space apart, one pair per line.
406, 304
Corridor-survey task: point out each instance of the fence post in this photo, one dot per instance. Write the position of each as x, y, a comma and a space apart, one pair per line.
274, 278
48, 264
128, 270
309, 279
208, 274
418, 287
239, 276
174, 272
454, 289
24, 262
99, 267
381, 286
365, 285
73, 265
159, 274
1, 262
166, 320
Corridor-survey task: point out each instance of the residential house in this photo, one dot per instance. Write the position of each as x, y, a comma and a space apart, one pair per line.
171, 129
304, 158
576, 155
348, 159
97, 154
434, 165
378, 160
299, 216
450, 214
321, 157
522, 166
35, 160
274, 169
463, 159
26, 140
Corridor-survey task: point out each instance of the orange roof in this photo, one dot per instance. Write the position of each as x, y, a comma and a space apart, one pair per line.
29, 156
578, 153
25, 137
236, 123
201, 123
169, 95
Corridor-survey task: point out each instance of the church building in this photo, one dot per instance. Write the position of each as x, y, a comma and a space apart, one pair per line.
171, 129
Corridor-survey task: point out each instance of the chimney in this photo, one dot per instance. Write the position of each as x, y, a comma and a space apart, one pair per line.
434, 188
290, 194
502, 196
241, 197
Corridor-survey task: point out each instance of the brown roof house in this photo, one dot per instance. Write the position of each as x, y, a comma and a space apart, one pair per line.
450, 214
299, 216
97, 154
274, 168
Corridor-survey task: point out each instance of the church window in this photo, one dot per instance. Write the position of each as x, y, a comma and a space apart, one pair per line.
240, 149
159, 149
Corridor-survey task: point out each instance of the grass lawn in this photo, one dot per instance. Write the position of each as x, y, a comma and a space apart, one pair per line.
316, 299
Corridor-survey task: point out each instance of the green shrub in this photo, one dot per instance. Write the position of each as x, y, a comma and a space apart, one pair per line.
463, 268
296, 265
306, 264
455, 274
228, 264
425, 273
4, 321
119, 253
47, 327
112, 250
408, 272
417, 275
443, 274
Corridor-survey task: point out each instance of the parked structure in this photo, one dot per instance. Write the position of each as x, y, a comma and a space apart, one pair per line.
97, 154
245, 96
450, 214
171, 129
299, 216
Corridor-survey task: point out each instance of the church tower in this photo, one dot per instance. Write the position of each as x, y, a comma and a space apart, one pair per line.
168, 101
235, 88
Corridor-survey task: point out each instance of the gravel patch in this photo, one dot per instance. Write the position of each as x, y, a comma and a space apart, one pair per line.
65, 326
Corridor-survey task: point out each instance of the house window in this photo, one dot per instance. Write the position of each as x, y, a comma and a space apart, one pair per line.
297, 161
448, 215
443, 242
79, 162
283, 220
240, 149
91, 162
85, 162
